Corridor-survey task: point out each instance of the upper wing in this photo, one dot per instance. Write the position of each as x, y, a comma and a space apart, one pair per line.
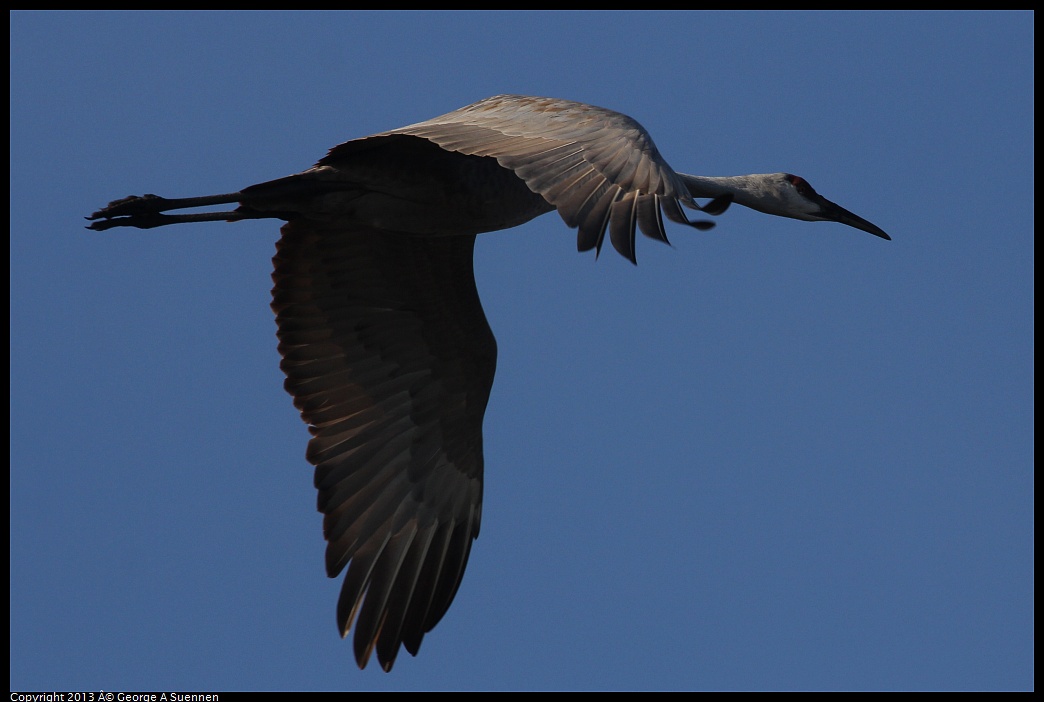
390, 360
599, 168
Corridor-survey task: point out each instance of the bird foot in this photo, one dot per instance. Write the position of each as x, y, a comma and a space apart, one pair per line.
133, 205
140, 211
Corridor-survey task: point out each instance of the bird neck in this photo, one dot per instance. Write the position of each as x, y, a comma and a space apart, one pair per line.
744, 189
764, 192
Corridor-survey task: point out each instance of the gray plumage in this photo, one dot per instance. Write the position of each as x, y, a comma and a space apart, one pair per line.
385, 347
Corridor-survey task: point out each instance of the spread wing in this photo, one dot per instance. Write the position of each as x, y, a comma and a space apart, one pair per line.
385, 346
390, 360
599, 168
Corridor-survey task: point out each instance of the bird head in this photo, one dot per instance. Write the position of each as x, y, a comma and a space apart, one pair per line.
789, 195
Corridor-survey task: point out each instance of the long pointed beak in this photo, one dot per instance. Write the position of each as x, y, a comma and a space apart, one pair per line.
836, 213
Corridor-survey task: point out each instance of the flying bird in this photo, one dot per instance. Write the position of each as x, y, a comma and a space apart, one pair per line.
385, 347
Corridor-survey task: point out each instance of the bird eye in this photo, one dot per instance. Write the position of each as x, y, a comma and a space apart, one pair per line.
801, 185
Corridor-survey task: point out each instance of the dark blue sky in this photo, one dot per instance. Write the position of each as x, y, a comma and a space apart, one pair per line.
777, 455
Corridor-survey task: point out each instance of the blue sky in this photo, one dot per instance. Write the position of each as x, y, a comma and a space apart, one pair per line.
776, 455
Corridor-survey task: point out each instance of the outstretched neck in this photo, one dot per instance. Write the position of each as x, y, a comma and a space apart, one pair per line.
744, 189
772, 193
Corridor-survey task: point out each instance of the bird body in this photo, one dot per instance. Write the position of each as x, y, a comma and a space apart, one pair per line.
403, 184
387, 352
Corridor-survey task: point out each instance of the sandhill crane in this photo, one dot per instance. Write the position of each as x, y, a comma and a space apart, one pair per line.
384, 344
